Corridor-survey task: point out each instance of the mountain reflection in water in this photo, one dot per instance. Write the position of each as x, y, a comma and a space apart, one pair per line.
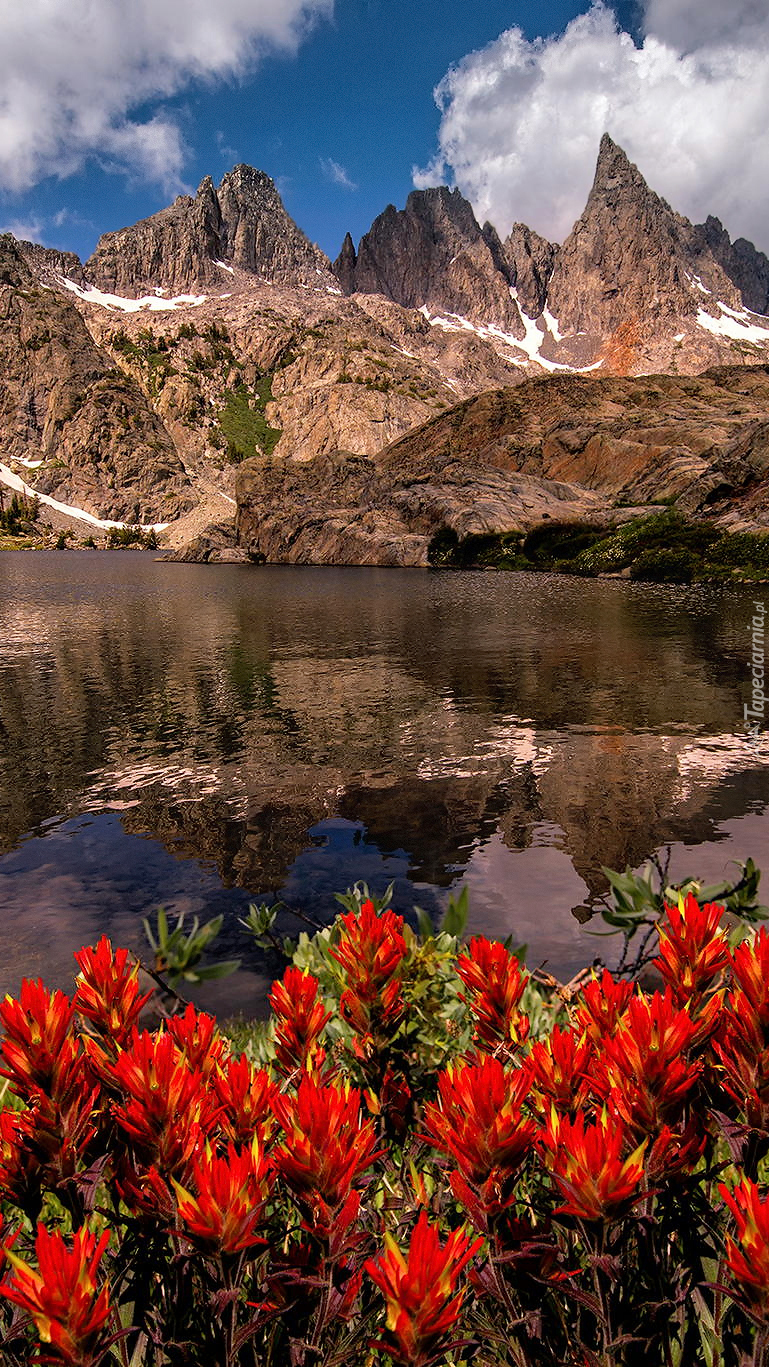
201, 737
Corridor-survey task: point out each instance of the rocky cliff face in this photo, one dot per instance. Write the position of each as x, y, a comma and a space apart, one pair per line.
634, 288
530, 260
745, 267
189, 246
80, 428
563, 448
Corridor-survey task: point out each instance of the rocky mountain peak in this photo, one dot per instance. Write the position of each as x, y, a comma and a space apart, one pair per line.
745, 266
344, 266
629, 259
433, 254
241, 224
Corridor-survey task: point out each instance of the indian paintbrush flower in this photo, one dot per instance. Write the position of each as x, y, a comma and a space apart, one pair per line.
496, 983
300, 1018
747, 1257
63, 1298
224, 1209
693, 949
38, 1049
107, 990
325, 1147
371, 951
586, 1160
422, 1292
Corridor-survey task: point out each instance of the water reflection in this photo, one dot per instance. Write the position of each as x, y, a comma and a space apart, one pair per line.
283, 731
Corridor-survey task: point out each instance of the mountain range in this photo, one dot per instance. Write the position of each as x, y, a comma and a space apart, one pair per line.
209, 369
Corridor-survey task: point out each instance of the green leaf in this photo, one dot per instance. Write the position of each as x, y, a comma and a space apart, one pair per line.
424, 923
455, 920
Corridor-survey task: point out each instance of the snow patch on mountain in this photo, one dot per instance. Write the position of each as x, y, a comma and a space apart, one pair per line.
12, 481
92, 295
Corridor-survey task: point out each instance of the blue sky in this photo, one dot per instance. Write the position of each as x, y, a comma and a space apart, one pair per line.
335, 100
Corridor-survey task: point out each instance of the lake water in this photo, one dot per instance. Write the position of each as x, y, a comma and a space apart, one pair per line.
200, 737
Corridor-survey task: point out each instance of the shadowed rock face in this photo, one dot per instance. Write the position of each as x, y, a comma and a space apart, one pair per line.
433, 254
63, 403
530, 261
747, 268
242, 223
566, 447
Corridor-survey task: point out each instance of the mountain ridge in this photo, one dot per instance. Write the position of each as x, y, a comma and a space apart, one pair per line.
219, 334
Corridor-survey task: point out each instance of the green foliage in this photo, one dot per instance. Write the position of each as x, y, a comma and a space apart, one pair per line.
244, 424
21, 511
638, 904
151, 353
663, 547
178, 952
132, 536
477, 551
662, 566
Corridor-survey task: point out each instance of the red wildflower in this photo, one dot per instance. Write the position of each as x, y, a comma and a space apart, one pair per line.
479, 1120
602, 1005
59, 1133
748, 1257
38, 1048
226, 1210
300, 1021
585, 1158
743, 1056
63, 1299
496, 982
107, 990
750, 969
20, 1174
559, 1065
166, 1106
371, 952
420, 1288
644, 1072
325, 1146
676, 1151
197, 1038
145, 1192
693, 947
246, 1094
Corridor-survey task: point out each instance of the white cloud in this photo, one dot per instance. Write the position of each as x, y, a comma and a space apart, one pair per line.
336, 173
74, 73
521, 120
25, 230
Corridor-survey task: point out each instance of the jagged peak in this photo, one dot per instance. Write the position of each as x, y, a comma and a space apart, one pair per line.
441, 200
614, 167
206, 187
247, 176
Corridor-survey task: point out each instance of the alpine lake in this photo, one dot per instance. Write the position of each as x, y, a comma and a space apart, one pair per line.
204, 737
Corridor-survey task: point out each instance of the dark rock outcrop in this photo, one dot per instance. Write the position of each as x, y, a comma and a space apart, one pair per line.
747, 268
434, 254
242, 224
530, 259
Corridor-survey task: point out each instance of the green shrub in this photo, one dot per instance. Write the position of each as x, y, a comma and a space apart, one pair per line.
662, 565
